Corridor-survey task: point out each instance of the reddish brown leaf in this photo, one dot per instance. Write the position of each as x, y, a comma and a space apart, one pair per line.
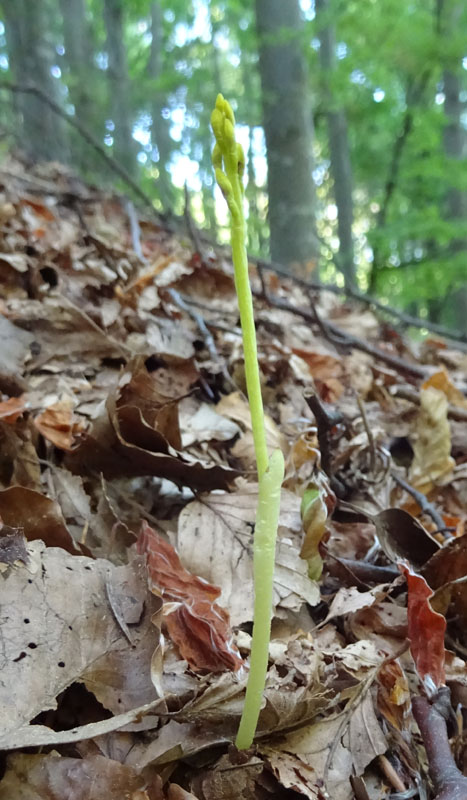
12, 408
39, 516
426, 631
57, 425
199, 627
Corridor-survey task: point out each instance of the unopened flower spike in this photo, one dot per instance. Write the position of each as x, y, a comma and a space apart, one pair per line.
229, 162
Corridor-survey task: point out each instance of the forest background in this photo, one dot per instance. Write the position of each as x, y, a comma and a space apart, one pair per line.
353, 117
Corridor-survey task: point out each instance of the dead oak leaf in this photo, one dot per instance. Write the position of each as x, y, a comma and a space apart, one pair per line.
57, 425
53, 777
38, 516
432, 463
57, 628
215, 540
198, 625
12, 408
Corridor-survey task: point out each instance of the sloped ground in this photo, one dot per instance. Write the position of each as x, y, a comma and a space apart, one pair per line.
128, 498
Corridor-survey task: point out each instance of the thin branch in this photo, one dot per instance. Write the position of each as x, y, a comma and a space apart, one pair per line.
423, 503
348, 340
449, 782
87, 136
407, 319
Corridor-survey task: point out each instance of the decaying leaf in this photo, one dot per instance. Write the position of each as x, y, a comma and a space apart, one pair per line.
214, 540
57, 424
198, 625
138, 432
314, 516
38, 516
432, 463
52, 777
332, 749
59, 628
426, 629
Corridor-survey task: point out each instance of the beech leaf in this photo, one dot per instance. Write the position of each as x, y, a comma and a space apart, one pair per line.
426, 629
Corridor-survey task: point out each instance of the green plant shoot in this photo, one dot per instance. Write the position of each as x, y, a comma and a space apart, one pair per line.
229, 163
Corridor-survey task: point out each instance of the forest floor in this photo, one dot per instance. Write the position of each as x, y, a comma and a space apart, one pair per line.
128, 500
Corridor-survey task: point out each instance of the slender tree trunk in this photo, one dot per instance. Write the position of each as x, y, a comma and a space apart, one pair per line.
288, 128
341, 168
455, 148
82, 76
160, 127
31, 58
124, 148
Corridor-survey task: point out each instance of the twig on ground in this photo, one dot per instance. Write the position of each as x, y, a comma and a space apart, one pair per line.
406, 319
325, 421
406, 393
369, 434
362, 572
348, 340
391, 774
124, 350
205, 332
424, 504
448, 780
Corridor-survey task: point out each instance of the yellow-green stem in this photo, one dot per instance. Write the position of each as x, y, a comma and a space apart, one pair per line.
267, 517
229, 162
252, 376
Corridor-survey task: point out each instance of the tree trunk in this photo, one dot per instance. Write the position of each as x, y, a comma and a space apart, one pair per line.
455, 148
341, 168
82, 77
124, 148
289, 133
31, 57
160, 126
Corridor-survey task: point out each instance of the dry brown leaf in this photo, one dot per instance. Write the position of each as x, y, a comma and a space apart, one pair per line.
16, 344
198, 625
432, 463
203, 424
19, 462
332, 750
235, 407
138, 433
57, 425
59, 628
349, 600
214, 540
440, 380
13, 408
38, 515
52, 777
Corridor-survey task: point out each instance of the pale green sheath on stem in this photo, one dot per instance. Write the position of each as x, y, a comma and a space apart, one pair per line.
229, 162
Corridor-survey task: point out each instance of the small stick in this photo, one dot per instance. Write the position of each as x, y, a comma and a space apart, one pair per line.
449, 782
371, 441
325, 421
424, 504
391, 774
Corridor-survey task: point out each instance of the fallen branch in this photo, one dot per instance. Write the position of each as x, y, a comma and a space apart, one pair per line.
448, 780
348, 340
406, 319
422, 502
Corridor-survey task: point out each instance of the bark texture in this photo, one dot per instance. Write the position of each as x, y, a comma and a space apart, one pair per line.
288, 128
160, 126
119, 86
78, 53
341, 168
31, 57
